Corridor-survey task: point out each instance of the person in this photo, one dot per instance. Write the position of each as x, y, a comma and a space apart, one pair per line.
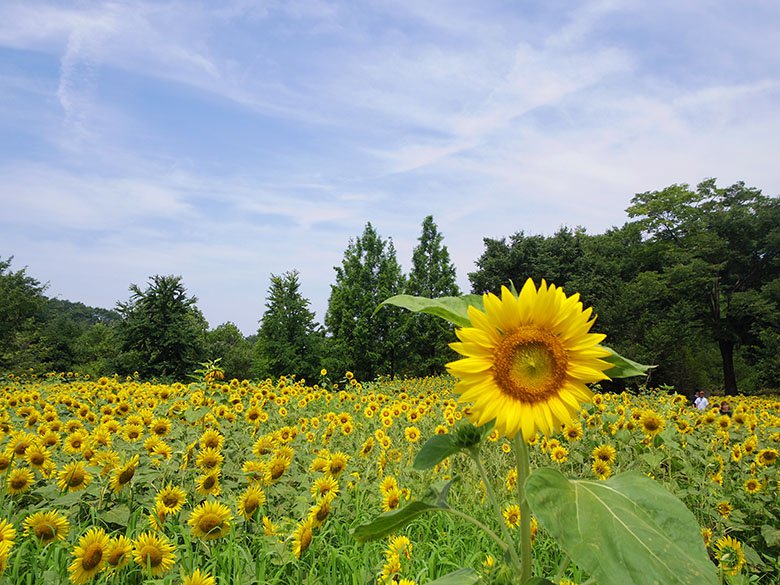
725, 408
701, 401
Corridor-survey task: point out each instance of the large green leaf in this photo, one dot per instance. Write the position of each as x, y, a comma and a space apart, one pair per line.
459, 577
389, 522
628, 529
452, 309
435, 450
623, 367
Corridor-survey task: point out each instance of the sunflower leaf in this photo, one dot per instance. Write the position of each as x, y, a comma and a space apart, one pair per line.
627, 529
389, 522
623, 367
452, 309
435, 450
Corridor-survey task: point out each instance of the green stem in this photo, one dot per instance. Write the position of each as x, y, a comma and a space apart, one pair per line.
491, 494
522, 460
496, 538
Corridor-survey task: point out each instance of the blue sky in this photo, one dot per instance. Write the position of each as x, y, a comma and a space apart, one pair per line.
226, 141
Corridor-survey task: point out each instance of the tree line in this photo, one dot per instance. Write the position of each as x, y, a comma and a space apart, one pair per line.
690, 283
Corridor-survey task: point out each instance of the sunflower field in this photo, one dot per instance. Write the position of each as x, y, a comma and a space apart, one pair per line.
122, 481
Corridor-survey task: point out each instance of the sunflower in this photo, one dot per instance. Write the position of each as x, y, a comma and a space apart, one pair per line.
209, 459
210, 520
5, 461
573, 431
277, 466
302, 537
724, 508
119, 551
250, 501
412, 434
269, 528
211, 439
601, 469
7, 532
198, 578
559, 454
209, 484
19, 480
121, 476
320, 511
90, 556
528, 360
324, 486
47, 526
752, 485
37, 455
256, 471
367, 447
729, 555
171, 499
73, 477
161, 427
766, 457
338, 462
512, 516
5, 550
391, 499
605, 453
651, 422
399, 546
154, 553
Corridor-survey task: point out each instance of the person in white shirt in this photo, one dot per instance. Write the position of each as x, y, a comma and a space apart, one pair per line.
701, 401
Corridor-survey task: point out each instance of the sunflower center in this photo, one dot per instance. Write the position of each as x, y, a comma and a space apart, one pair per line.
19, 482
530, 364
45, 531
126, 475
92, 556
209, 523
76, 478
171, 501
250, 505
151, 556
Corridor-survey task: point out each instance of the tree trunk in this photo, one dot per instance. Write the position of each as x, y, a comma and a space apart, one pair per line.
727, 356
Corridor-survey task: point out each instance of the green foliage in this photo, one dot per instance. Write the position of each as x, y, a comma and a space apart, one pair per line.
721, 252
432, 275
434, 500
628, 529
162, 332
21, 312
366, 342
229, 345
288, 340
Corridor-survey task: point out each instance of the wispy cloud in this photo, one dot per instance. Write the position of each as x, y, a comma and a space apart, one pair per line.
227, 141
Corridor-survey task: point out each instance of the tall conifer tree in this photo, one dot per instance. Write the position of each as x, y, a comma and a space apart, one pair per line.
432, 276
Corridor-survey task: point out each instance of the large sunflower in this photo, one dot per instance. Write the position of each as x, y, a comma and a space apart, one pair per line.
154, 553
210, 520
528, 360
90, 556
47, 526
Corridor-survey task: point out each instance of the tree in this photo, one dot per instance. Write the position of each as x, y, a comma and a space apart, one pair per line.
721, 255
228, 344
162, 331
558, 259
432, 276
21, 314
367, 343
288, 341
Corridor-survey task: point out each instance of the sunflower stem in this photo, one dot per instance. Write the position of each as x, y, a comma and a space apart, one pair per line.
491, 495
523, 463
